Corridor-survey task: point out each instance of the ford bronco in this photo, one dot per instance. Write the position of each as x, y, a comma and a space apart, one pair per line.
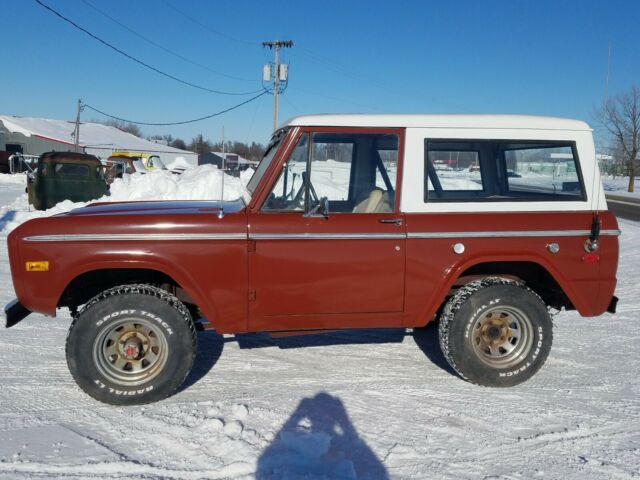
487, 223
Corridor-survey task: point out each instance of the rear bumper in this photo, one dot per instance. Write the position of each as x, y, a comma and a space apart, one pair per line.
14, 312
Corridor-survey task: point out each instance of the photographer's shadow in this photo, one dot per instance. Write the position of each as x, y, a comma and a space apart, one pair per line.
319, 441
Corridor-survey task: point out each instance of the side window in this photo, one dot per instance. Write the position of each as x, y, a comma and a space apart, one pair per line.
331, 162
501, 170
453, 169
355, 172
543, 170
288, 194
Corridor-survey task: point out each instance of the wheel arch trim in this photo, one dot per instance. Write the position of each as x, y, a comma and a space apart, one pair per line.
456, 270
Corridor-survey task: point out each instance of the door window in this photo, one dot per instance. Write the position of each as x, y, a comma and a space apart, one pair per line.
356, 173
288, 193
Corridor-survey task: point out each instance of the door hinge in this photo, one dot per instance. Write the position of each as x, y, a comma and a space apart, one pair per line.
252, 295
251, 246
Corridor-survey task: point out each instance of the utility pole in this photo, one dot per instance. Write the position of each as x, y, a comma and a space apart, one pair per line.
278, 74
76, 132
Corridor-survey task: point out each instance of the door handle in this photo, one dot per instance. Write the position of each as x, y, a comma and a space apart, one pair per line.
396, 221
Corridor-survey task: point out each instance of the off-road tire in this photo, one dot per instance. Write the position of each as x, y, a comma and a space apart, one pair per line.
134, 324
495, 332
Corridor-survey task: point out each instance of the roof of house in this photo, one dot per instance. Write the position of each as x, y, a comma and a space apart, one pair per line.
439, 121
92, 135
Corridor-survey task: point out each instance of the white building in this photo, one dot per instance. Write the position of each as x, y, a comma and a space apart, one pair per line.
34, 136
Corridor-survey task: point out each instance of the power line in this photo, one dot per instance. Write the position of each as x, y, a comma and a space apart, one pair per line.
130, 57
161, 47
176, 123
206, 27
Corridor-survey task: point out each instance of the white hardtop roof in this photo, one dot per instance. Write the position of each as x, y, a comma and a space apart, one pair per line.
439, 121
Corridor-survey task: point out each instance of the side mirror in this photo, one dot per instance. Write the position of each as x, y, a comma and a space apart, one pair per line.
320, 209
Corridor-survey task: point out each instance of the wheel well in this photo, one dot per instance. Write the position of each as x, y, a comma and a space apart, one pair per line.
534, 275
89, 284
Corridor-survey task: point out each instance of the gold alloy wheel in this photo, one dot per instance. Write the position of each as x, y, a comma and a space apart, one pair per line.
131, 352
502, 336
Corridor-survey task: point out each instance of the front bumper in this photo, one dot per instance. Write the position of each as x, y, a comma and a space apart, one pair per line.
14, 311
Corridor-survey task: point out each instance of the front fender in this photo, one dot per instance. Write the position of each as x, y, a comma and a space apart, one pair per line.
213, 274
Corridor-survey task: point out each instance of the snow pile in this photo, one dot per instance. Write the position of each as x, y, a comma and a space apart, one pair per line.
179, 163
201, 183
8, 179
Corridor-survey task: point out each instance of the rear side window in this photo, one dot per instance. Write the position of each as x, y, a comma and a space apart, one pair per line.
501, 170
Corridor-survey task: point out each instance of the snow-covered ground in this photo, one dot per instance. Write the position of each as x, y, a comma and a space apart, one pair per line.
360, 404
620, 185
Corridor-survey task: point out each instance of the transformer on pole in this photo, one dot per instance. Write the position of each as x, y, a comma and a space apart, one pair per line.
276, 72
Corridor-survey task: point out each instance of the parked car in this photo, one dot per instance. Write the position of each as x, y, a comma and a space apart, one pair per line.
346, 223
117, 167
121, 163
59, 176
142, 162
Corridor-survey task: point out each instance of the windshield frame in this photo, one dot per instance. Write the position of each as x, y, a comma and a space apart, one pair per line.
270, 153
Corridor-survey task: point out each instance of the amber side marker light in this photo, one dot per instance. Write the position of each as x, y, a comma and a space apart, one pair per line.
37, 266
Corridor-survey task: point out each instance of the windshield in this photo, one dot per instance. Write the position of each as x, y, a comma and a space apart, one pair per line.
272, 149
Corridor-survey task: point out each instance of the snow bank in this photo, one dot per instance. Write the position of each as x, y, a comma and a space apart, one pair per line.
8, 179
201, 183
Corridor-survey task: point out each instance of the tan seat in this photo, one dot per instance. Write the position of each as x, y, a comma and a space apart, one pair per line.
376, 202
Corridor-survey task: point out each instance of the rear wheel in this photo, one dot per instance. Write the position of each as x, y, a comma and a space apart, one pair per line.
495, 332
131, 344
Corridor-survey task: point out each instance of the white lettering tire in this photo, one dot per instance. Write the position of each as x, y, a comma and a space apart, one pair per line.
495, 332
131, 344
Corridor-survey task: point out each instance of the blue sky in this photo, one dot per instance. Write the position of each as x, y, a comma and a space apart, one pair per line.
534, 57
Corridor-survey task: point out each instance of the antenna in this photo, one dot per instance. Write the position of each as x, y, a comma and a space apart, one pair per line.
221, 212
591, 245
606, 105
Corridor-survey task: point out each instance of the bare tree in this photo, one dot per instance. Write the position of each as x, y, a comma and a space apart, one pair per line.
178, 143
621, 118
131, 128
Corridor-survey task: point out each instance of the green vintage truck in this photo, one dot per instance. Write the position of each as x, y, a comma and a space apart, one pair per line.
59, 176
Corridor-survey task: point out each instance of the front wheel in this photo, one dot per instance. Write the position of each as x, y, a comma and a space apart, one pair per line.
131, 344
495, 332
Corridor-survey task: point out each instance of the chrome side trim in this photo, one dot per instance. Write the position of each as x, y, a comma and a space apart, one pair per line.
509, 234
308, 236
136, 236
327, 236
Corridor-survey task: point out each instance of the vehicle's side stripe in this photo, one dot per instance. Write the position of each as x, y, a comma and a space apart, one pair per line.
136, 236
374, 236
309, 236
327, 236
509, 234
